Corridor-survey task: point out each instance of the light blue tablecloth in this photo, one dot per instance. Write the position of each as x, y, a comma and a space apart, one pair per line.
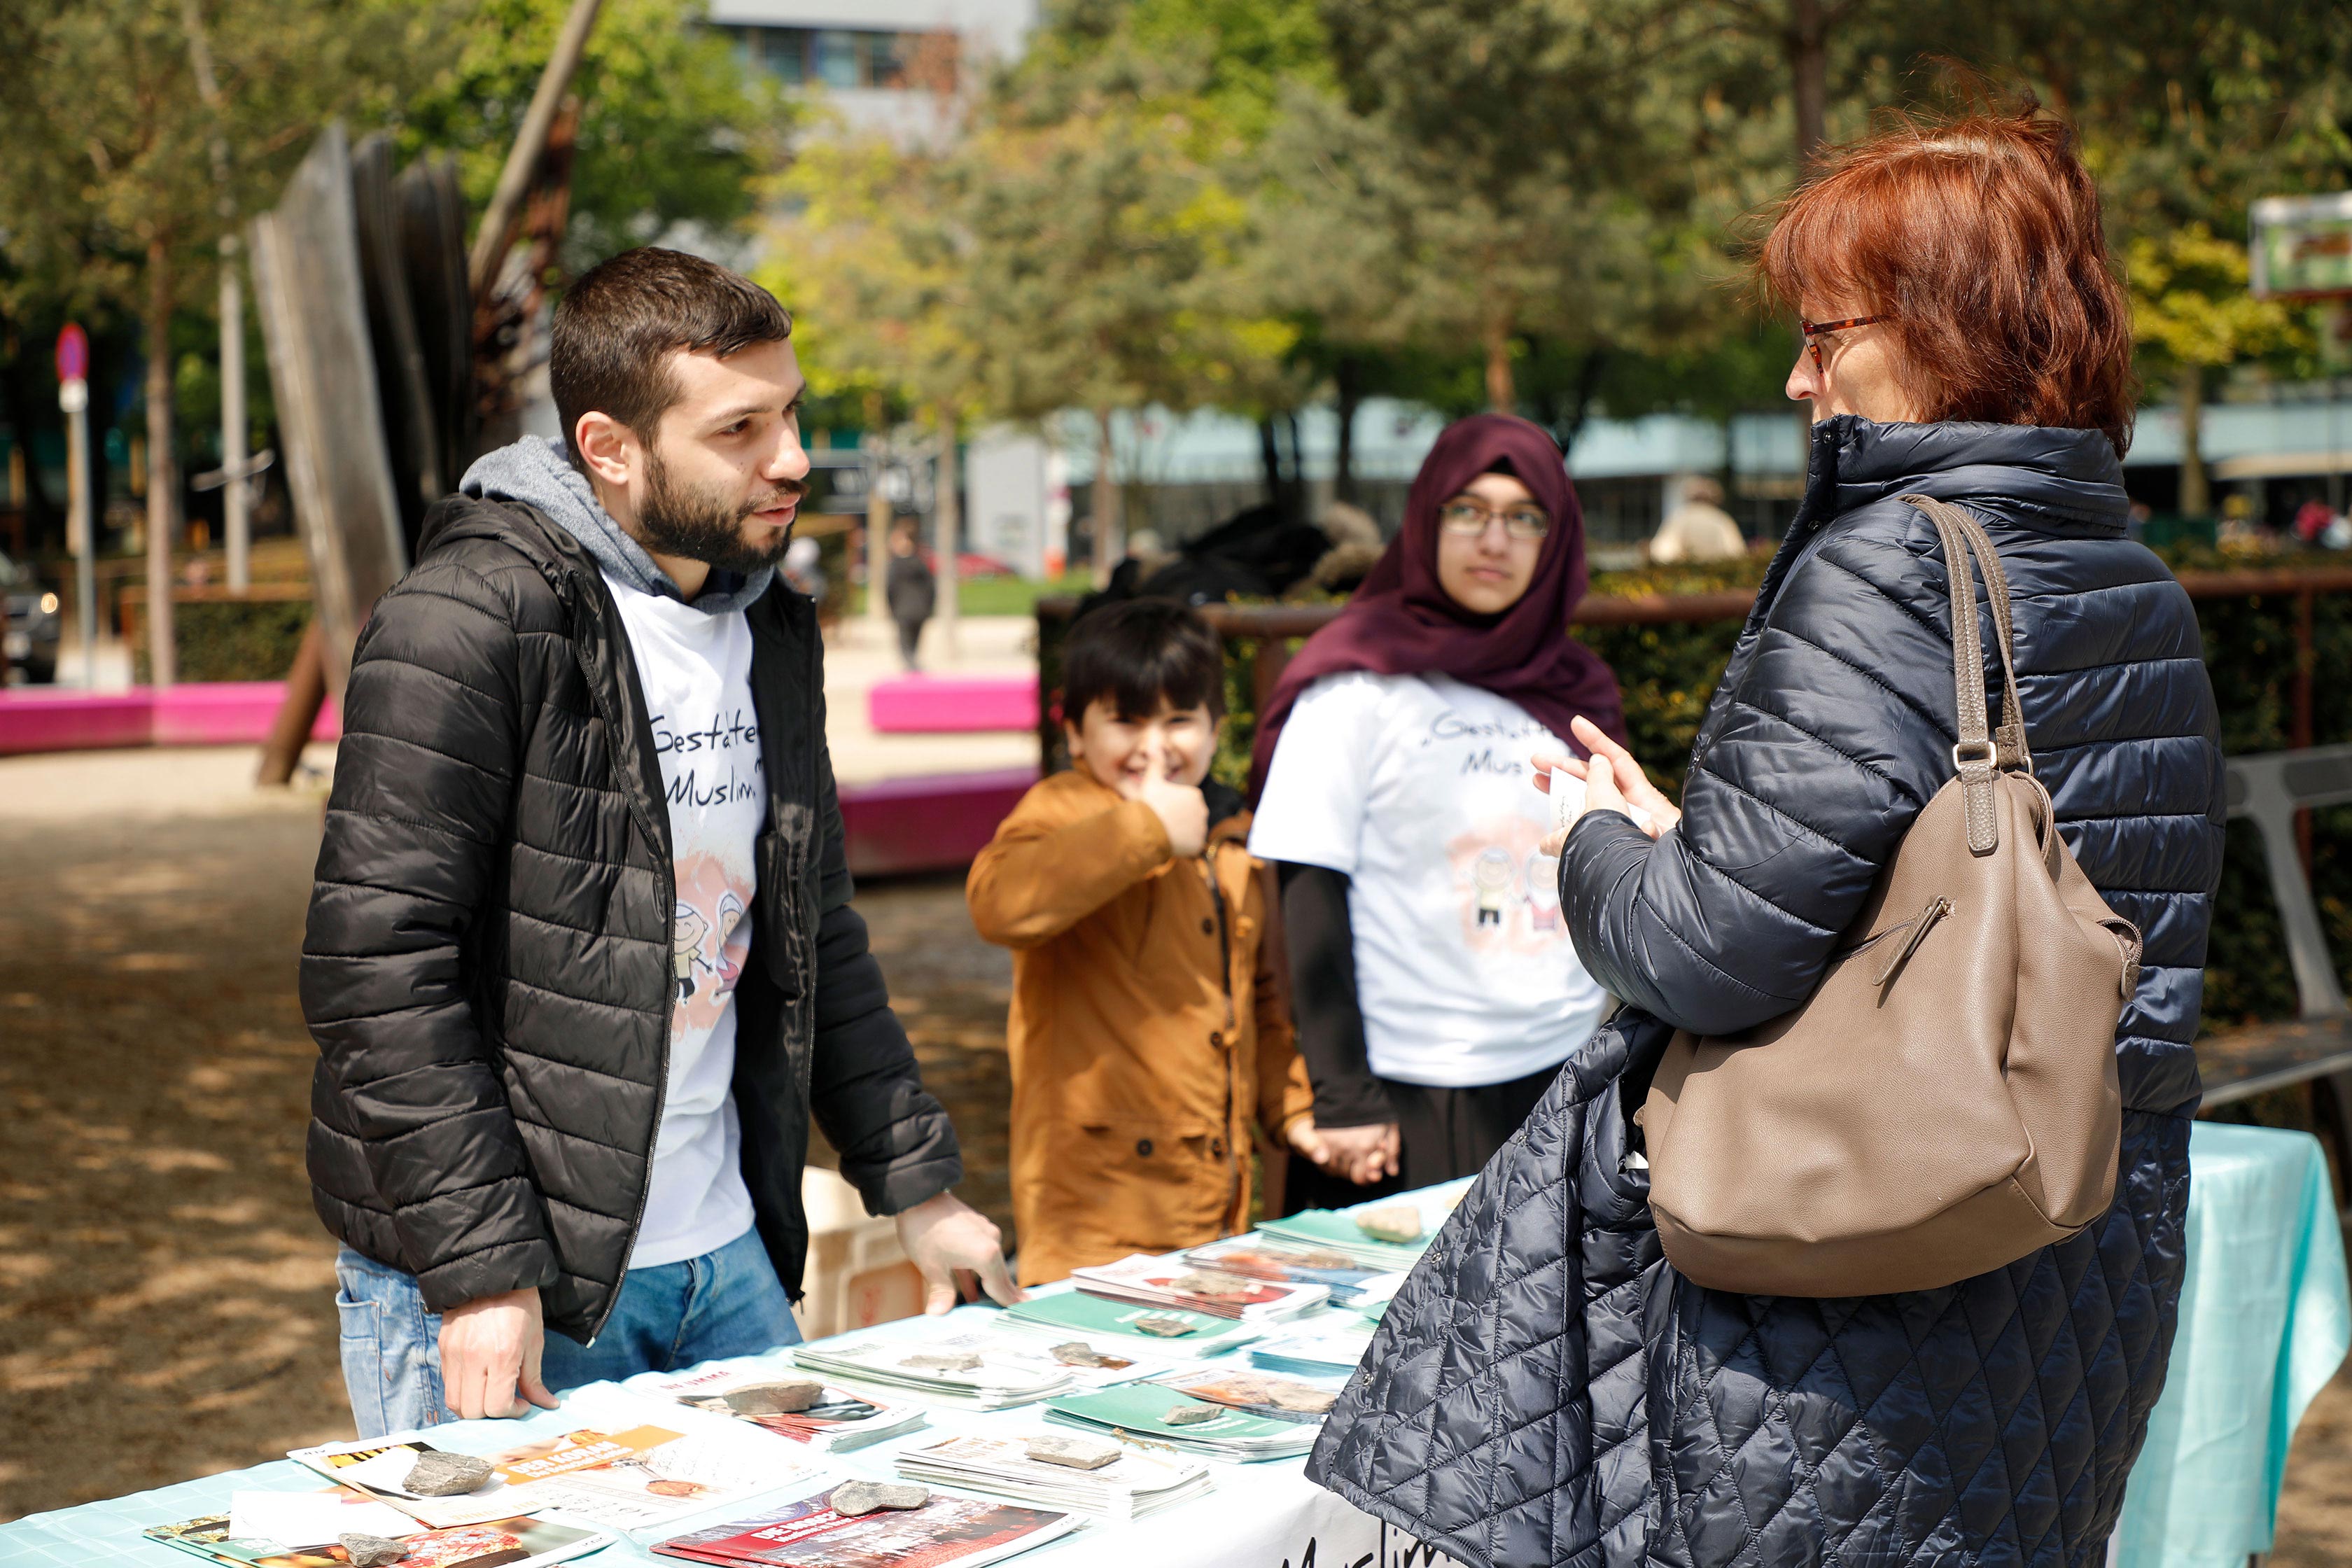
1262, 1515
2264, 1323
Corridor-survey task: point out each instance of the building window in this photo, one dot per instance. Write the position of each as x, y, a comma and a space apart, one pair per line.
836, 57
783, 53
834, 60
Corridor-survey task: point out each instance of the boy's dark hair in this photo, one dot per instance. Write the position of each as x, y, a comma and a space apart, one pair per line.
1138, 651
617, 327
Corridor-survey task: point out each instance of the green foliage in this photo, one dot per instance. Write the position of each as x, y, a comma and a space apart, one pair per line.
1668, 672
673, 128
229, 639
2190, 304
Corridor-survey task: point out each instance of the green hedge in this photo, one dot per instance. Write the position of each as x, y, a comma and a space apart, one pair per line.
1668, 672
222, 639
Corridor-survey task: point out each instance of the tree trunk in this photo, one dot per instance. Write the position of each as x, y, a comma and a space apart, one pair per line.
2195, 494
948, 532
1269, 457
1809, 72
1572, 423
163, 473
1346, 384
1502, 394
1294, 502
1110, 539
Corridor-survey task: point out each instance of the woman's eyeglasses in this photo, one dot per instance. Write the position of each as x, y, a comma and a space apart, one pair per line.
1815, 331
1470, 519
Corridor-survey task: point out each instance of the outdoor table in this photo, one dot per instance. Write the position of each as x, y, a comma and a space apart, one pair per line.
1259, 1515
2264, 1324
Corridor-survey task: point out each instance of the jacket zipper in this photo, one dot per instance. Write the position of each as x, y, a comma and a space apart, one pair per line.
656, 827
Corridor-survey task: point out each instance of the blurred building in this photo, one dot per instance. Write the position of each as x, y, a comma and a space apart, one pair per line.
891, 65
2277, 446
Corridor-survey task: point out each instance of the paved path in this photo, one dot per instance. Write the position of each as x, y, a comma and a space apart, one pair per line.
859, 655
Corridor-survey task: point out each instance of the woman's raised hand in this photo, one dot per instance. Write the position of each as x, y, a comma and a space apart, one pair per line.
1620, 786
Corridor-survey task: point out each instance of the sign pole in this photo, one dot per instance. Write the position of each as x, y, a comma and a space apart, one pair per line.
73, 398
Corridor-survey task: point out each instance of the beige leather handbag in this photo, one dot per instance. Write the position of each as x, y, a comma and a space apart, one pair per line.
1946, 1101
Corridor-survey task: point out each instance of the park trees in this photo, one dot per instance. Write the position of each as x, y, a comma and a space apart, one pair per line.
111, 204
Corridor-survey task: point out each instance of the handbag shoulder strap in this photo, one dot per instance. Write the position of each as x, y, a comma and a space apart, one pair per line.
1979, 753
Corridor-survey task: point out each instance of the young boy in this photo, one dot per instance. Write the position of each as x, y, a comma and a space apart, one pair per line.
1148, 1030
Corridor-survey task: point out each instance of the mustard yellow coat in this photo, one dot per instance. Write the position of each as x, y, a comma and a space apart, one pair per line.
1150, 1028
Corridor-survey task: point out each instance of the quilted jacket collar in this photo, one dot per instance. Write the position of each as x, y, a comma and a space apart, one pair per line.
2068, 480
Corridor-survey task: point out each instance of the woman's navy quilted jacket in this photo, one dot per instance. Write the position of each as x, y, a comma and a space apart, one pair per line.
1545, 1390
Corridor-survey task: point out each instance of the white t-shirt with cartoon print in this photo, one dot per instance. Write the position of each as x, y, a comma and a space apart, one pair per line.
1418, 787
696, 669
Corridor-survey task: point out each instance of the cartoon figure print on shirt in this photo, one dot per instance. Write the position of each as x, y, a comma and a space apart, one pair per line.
710, 938
1511, 900
711, 768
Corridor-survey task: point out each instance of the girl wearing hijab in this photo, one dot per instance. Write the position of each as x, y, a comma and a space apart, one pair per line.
1434, 990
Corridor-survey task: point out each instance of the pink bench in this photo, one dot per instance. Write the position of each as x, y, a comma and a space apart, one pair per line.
224, 713
939, 704
935, 823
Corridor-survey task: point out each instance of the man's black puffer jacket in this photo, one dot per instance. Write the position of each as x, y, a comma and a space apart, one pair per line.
487, 967
1546, 1390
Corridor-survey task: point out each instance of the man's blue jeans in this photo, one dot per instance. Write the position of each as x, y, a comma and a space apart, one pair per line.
727, 1302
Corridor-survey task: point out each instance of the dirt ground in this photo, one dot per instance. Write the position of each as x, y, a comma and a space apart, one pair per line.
166, 1295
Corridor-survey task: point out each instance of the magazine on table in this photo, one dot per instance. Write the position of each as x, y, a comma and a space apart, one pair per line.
1131, 1486
1163, 1414
1331, 1348
633, 1479
322, 1514
1301, 1402
489, 1542
841, 1421
945, 1532
959, 1364
1165, 1333
1384, 1233
1214, 1292
1351, 1282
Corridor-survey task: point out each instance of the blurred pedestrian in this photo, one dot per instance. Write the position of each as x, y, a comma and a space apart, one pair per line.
2311, 520
1149, 1040
913, 593
1699, 528
570, 1047
1435, 991
1967, 339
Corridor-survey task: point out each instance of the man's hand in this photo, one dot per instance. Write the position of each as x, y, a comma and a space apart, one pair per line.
490, 1355
1362, 1154
1182, 808
1616, 784
950, 1243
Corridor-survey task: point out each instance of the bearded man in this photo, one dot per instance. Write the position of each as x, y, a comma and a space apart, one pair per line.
582, 962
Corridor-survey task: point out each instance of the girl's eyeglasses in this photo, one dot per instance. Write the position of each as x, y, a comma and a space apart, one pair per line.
1815, 331
1471, 518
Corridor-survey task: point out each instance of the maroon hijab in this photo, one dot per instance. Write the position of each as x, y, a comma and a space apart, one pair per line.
1402, 622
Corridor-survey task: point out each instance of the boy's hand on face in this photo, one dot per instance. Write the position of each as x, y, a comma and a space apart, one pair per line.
1182, 808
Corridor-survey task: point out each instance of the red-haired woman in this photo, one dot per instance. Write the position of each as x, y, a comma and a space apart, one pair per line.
1546, 1390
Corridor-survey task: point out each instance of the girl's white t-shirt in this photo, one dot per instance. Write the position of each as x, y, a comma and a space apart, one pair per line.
696, 669
1419, 788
